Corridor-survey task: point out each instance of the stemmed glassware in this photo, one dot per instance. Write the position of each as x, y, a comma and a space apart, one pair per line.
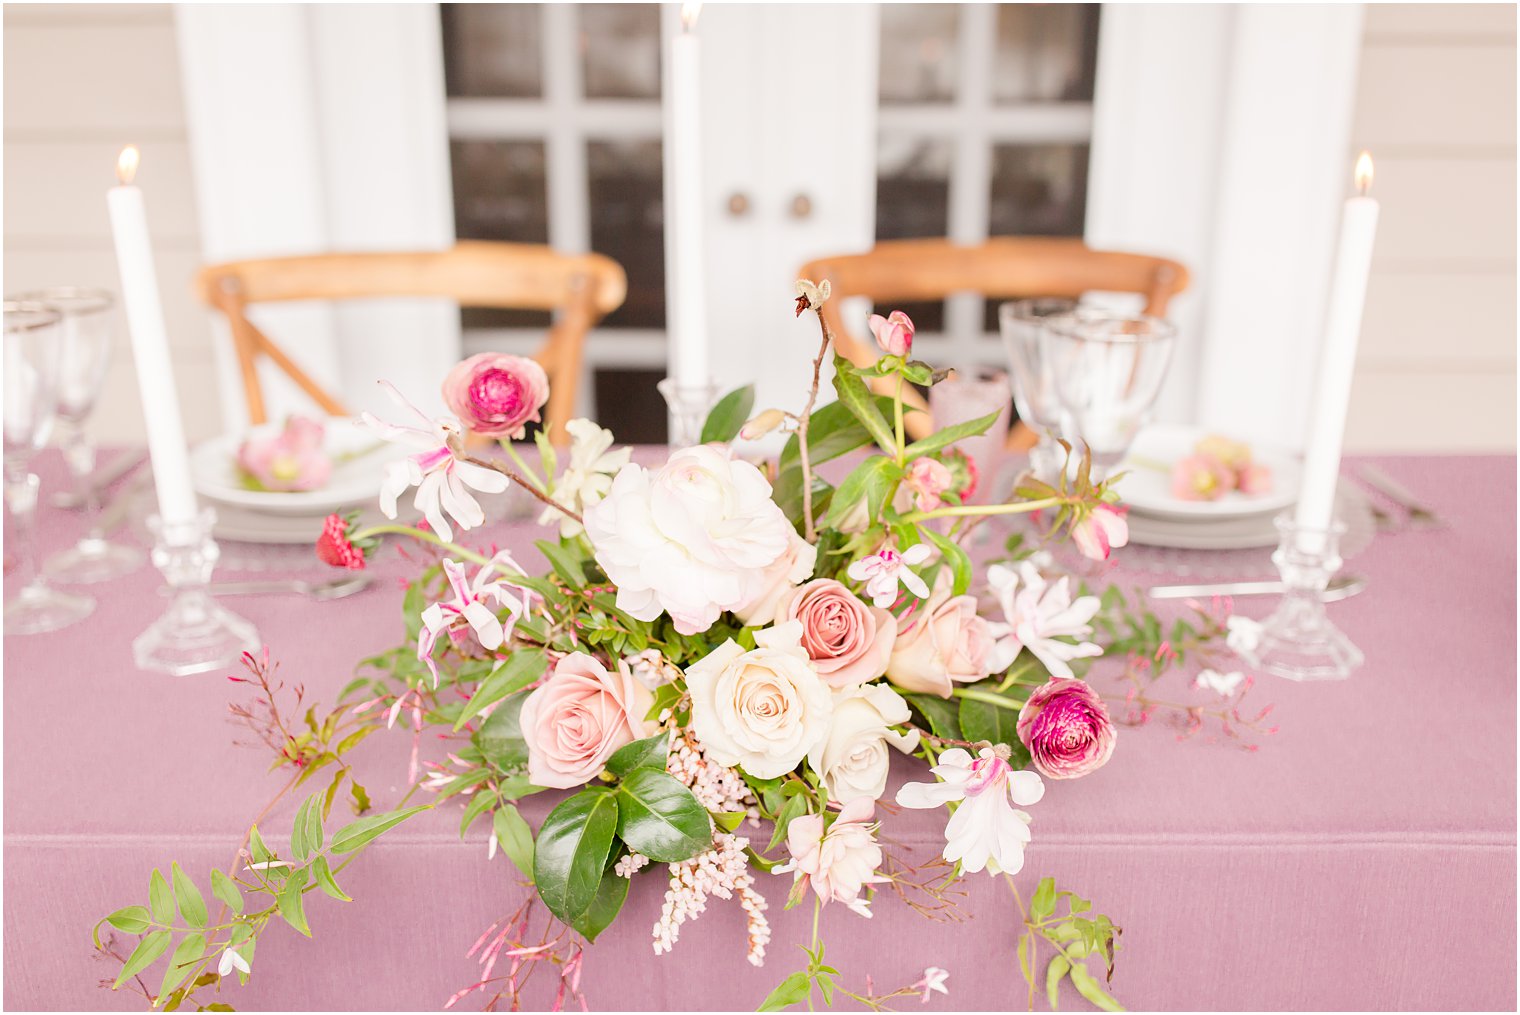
32, 357
1023, 323
85, 354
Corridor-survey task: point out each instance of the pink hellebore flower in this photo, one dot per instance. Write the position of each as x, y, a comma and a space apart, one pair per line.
292, 460
497, 394
1102, 531
986, 832
1201, 477
838, 864
885, 568
929, 479
894, 333
443, 482
473, 608
1254, 480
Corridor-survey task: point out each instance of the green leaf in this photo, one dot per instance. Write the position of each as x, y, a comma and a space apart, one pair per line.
729, 415
660, 818
515, 838
955, 557
291, 902
298, 847
940, 713
1043, 904
548, 458
148, 949
1091, 989
160, 899
130, 920
565, 562
981, 720
571, 851
256, 846
794, 807
648, 753
870, 483
610, 895
728, 820
189, 952
517, 671
323, 874
792, 990
192, 906
832, 431
500, 738
857, 397
314, 834
358, 833
477, 806
1057, 969
950, 434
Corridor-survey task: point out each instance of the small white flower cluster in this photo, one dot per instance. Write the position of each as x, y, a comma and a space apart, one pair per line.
717, 787
628, 866
722, 871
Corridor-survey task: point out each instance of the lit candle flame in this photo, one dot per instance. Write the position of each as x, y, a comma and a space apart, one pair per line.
689, 12
126, 164
1363, 173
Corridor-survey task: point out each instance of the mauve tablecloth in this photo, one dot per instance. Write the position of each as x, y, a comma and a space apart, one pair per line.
1364, 858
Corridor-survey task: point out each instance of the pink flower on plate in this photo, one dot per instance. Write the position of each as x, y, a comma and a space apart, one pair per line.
1066, 727
1254, 480
1101, 532
884, 569
443, 482
837, 864
1201, 477
496, 394
928, 479
578, 717
292, 460
472, 609
894, 333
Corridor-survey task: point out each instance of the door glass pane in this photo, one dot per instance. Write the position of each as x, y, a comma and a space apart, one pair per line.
500, 194
918, 52
1038, 190
1045, 53
629, 404
493, 50
913, 202
620, 47
627, 224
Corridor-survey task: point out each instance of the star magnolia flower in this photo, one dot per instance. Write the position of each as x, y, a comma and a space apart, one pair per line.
934, 980
1222, 684
986, 832
232, 959
443, 482
1101, 532
1040, 616
884, 569
587, 478
473, 607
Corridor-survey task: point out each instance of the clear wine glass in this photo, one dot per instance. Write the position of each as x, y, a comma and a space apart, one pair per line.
32, 353
1034, 386
1107, 369
84, 357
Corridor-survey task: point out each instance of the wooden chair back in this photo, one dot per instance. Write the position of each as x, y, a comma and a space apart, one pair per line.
583, 288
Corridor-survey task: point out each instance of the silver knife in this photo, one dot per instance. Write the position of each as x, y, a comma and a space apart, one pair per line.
1340, 587
1400, 494
103, 478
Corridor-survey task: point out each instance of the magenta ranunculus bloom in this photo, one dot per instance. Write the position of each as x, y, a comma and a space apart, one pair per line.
1067, 729
495, 394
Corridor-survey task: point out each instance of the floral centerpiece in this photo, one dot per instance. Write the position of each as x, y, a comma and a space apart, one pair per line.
718, 664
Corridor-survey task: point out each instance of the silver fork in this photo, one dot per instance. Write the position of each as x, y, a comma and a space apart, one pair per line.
1400, 494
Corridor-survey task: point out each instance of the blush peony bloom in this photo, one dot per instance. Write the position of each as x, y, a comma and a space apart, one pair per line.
1066, 728
986, 832
1101, 532
334, 547
894, 333
785, 573
942, 643
693, 538
927, 480
853, 760
762, 710
848, 641
495, 394
578, 717
292, 460
837, 864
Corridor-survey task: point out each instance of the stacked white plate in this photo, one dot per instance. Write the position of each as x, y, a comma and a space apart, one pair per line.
1235, 521
261, 516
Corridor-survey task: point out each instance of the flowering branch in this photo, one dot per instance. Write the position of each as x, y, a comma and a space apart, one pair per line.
811, 300
456, 446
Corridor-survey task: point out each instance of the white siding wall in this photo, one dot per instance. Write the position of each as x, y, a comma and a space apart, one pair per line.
80, 83
1436, 107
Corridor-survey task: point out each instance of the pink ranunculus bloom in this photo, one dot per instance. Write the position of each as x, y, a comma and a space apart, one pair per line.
928, 479
293, 459
1066, 727
848, 641
334, 547
1201, 477
966, 476
1101, 532
495, 394
1254, 480
578, 717
894, 333
943, 643
840, 863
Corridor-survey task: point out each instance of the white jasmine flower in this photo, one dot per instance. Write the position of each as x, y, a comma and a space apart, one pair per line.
884, 569
1244, 635
986, 832
232, 959
1222, 684
934, 980
587, 478
1039, 616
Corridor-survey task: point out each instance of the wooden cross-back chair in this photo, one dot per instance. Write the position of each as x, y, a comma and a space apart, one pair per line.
1003, 268
583, 288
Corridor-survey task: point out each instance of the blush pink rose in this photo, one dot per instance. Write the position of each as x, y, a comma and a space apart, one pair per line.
894, 333
943, 642
848, 640
1066, 727
581, 714
495, 394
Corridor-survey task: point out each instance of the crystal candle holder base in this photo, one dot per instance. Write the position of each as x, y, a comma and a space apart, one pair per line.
195, 634
689, 405
1298, 641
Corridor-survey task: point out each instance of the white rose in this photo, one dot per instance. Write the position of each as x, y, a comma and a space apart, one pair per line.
692, 538
761, 710
852, 760
789, 570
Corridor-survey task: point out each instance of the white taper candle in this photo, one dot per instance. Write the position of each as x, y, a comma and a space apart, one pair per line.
687, 289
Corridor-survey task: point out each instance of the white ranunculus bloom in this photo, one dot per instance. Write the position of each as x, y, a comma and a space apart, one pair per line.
853, 760
761, 710
692, 538
986, 832
587, 478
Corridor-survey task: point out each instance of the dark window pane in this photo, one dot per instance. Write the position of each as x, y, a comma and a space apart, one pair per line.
499, 194
492, 50
913, 202
620, 45
629, 404
1045, 53
1038, 190
627, 224
918, 52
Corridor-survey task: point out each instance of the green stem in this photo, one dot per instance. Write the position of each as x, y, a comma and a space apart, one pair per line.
426, 537
1012, 704
897, 422
1017, 672
527, 470
963, 510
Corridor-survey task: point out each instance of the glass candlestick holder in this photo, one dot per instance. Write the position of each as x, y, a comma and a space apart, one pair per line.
689, 405
195, 634
1298, 641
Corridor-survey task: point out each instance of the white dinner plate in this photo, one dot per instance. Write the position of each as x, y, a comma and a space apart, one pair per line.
1147, 485
1251, 531
355, 480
